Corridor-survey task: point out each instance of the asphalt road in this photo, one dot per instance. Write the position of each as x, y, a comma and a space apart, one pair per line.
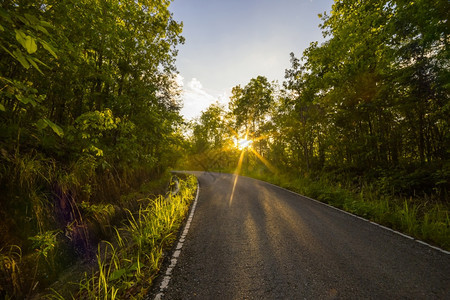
263, 242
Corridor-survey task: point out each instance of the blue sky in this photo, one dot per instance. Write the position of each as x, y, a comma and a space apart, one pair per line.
228, 42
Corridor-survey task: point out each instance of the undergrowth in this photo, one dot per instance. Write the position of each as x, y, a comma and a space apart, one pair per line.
126, 266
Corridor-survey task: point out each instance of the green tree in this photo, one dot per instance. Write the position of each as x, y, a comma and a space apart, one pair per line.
371, 101
250, 107
211, 132
89, 108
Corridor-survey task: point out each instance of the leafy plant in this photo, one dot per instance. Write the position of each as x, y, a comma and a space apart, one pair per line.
45, 244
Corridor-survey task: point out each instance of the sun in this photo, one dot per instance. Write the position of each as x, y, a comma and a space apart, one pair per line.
242, 143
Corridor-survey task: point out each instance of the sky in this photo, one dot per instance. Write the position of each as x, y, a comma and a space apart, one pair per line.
229, 42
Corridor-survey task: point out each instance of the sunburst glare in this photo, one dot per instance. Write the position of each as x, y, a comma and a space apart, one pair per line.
242, 143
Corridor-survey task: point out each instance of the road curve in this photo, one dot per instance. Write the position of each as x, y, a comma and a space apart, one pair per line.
252, 240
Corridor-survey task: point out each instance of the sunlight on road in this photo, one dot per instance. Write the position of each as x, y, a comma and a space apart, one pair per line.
236, 174
245, 144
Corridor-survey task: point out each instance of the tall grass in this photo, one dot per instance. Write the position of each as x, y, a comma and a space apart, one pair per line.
10, 271
56, 213
97, 285
128, 265
42, 192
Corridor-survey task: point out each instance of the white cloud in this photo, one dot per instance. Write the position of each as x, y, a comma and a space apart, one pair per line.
196, 98
179, 80
196, 85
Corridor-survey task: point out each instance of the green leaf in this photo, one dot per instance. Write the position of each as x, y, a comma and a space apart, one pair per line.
38, 61
20, 36
117, 274
41, 124
7, 51
23, 19
2, 107
21, 99
30, 44
42, 29
49, 49
25, 100
27, 41
31, 60
134, 266
46, 24
56, 129
19, 56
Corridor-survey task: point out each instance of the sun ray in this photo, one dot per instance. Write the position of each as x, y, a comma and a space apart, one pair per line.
264, 161
236, 175
244, 144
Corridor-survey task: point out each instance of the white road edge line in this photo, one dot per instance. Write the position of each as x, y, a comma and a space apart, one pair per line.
177, 252
358, 217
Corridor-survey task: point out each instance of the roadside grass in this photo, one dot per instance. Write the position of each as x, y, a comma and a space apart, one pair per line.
424, 218
10, 258
126, 266
54, 214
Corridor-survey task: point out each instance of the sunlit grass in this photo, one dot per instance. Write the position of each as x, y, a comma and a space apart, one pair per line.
127, 263
10, 258
134, 258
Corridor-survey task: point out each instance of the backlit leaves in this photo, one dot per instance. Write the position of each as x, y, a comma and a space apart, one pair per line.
28, 42
44, 122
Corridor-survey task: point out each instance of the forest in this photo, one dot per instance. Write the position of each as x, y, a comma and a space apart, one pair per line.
361, 121
89, 112
90, 125
370, 103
